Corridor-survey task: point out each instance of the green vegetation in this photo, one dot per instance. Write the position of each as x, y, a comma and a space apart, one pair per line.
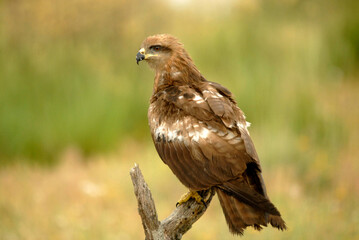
68, 80
68, 76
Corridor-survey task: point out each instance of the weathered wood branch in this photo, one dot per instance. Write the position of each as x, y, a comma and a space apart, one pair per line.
177, 223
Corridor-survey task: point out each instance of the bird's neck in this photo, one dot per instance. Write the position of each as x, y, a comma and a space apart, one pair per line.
177, 71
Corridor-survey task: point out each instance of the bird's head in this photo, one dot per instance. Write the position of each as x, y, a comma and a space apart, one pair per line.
157, 50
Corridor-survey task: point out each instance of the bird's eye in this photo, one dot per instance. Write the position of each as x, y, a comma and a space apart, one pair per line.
156, 47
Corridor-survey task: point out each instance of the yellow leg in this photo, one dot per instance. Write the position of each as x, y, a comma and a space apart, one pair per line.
191, 194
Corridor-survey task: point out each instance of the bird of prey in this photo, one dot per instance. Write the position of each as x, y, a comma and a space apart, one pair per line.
201, 134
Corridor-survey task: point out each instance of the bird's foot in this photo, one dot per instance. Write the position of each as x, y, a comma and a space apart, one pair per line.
202, 196
191, 194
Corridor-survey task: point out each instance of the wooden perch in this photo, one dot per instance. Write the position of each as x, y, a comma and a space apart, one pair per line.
177, 223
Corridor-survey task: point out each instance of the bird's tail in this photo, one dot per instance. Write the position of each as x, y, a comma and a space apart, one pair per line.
240, 215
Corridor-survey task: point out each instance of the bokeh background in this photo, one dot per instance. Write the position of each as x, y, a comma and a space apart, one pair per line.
73, 111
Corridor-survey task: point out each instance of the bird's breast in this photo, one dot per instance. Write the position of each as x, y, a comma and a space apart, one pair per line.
167, 125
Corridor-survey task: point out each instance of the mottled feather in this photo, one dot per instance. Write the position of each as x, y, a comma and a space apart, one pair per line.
201, 134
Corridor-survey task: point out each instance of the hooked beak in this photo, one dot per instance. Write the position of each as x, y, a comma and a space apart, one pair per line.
140, 55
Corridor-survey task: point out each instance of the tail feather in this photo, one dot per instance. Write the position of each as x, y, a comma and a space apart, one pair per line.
247, 195
240, 215
234, 220
277, 222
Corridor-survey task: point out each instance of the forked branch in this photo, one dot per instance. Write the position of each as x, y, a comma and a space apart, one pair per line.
177, 223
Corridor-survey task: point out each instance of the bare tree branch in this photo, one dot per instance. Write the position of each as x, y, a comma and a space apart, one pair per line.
177, 223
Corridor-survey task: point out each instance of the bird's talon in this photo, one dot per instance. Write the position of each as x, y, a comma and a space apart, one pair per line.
188, 196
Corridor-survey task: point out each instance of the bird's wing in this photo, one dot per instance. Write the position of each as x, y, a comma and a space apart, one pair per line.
213, 103
224, 106
212, 133
204, 140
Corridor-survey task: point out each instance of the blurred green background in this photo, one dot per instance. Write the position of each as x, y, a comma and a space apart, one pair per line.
73, 111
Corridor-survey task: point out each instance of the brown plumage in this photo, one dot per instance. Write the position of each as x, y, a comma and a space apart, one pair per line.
201, 134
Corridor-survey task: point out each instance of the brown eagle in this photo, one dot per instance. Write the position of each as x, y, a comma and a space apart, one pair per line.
201, 134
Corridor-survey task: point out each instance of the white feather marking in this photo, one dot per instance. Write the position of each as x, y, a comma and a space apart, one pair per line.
213, 94
180, 97
244, 127
173, 135
204, 133
198, 99
160, 130
168, 133
195, 135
